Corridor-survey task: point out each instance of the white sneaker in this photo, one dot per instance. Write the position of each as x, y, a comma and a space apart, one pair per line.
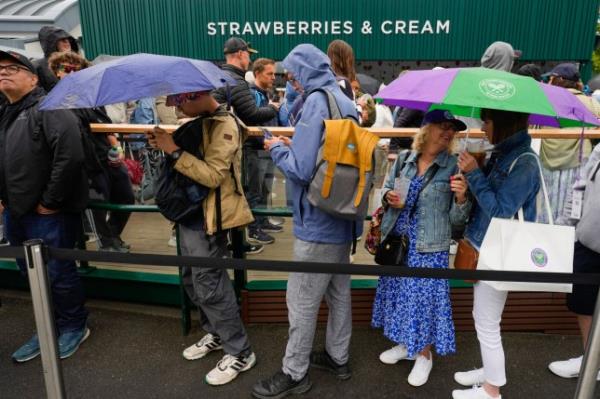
473, 393
394, 355
420, 372
228, 368
172, 242
470, 378
568, 368
207, 344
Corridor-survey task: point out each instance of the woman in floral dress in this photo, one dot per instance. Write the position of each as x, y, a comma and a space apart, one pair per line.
415, 313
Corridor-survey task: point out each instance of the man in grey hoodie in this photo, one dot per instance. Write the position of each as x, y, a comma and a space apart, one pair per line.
500, 56
319, 237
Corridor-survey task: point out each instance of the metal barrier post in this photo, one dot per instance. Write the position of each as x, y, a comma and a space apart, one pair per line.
186, 313
239, 276
44, 318
591, 359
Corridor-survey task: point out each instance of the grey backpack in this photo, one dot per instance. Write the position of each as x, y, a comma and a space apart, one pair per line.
343, 175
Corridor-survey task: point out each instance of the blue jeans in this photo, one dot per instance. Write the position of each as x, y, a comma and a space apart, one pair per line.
59, 230
259, 170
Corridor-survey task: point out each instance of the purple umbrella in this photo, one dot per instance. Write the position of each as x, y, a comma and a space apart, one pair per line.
133, 77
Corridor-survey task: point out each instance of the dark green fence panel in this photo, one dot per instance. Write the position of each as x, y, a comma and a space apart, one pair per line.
377, 29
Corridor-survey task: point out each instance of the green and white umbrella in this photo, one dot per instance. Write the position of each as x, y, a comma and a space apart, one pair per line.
465, 91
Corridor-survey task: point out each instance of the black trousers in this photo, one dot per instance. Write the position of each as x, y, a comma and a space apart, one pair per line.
115, 187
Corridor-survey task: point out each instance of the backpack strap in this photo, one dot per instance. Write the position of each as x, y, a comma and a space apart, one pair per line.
334, 109
366, 146
330, 152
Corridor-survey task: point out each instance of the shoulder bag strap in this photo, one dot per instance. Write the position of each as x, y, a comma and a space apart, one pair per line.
542, 182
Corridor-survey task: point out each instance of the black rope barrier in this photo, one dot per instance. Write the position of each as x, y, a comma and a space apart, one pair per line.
307, 267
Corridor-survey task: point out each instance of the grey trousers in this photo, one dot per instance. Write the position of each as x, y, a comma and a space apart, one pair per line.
211, 290
305, 292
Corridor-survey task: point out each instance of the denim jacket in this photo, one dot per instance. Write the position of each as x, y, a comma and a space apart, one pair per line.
500, 194
436, 208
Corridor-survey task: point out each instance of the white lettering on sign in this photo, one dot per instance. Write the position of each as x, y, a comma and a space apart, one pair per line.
335, 27
443, 26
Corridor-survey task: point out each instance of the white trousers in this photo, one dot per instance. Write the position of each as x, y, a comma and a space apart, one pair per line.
488, 304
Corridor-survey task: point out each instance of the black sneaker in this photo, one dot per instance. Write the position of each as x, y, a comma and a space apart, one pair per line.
253, 249
279, 386
322, 360
270, 228
122, 243
259, 237
113, 248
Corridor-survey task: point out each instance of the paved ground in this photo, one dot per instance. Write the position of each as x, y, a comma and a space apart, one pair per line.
134, 351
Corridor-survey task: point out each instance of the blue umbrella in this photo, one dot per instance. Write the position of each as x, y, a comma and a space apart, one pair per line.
133, 77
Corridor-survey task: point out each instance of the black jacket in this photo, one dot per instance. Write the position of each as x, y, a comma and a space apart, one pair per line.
99, 141
49, 37
41, 158
242, 99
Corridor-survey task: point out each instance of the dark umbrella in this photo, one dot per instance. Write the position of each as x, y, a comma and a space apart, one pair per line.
368, 84
133, 77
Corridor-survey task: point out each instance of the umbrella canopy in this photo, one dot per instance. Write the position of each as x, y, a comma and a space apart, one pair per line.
133, 77
368, 84
465, 91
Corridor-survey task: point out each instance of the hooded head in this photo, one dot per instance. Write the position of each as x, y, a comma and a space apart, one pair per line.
49, 37
531, 70
500, 56
310, 66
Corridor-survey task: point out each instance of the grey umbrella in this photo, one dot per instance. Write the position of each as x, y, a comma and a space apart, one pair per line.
368, 84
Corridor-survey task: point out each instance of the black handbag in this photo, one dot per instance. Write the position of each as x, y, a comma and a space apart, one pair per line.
392, 251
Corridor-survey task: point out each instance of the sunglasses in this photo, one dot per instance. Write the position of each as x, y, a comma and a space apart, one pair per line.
175, 100
68, 68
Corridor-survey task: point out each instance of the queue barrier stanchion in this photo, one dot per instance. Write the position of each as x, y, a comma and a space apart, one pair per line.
43, 311
40, 294
186, 306
591, 359
240, 277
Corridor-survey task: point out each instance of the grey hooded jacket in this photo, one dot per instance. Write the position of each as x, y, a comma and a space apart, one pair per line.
500, 56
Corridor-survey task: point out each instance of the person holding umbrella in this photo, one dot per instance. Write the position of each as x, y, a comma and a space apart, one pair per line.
509, 182
107, 174
224, 208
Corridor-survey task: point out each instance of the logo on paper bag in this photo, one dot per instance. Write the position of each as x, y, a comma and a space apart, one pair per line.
497, 89
539, 257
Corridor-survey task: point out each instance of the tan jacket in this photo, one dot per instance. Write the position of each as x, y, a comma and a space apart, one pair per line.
221, 147
560, 154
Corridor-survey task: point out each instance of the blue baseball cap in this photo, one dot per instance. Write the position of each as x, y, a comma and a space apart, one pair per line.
441, 116
566, 71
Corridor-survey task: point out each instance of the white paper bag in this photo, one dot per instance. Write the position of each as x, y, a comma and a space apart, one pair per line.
516, 245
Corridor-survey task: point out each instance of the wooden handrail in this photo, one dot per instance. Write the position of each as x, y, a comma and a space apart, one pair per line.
572, 133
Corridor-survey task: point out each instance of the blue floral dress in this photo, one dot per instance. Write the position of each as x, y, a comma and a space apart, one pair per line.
415, 312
